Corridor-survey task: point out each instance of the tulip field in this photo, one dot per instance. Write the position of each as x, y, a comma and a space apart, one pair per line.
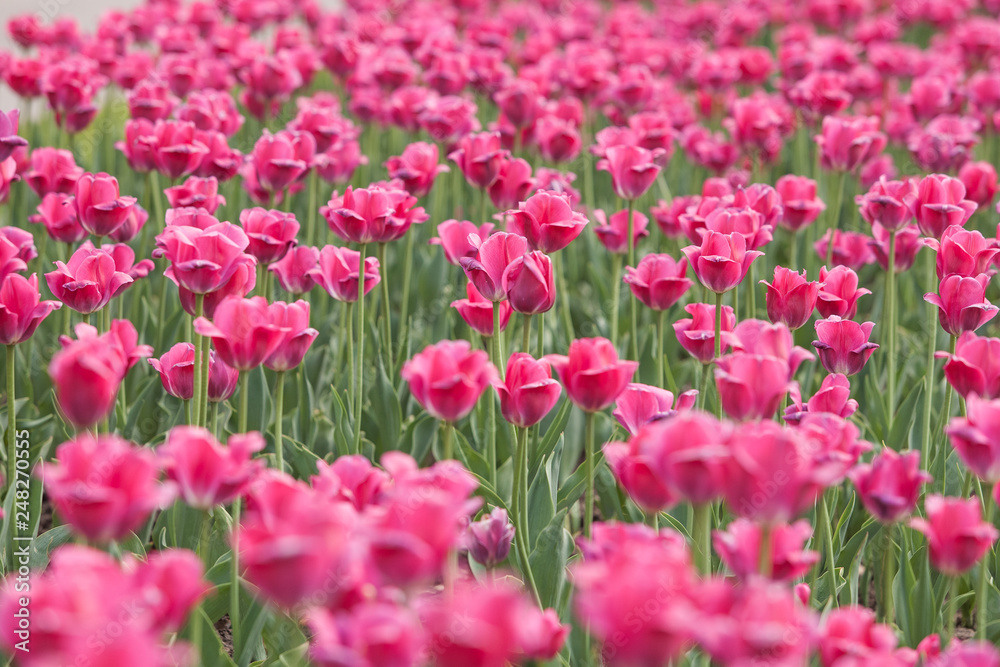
453, 333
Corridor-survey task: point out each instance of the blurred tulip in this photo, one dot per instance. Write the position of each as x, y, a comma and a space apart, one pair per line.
206, 472
448, 377
489, 539
957, 536
739, 548
940, 204
293, 270
790, 298
52, 171
613, 232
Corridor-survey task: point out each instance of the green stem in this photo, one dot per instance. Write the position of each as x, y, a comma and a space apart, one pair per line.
703, 538
942, 446
358, 371
519, 499
498, 360
562, 291
349, 334
404, 309
526, 334
540, 338
890, 297
752, 291
279, 400
765, 557
616, 293
951, 612
244, 389
633, 306
11, 424
446, 440
311, 213
888, 572
826, 535
588, 515
660, 328
199, 343
718, 325
984, 567
234, 574
213, 421
932, 326
835, 214
386, 310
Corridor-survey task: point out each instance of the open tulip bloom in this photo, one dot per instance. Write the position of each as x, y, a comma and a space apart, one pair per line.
272, 394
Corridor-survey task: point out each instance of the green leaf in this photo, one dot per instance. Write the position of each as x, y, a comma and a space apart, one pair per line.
541, 505
854, 572
548, 560
213, 653
552, 435
576, 484
387, 413
899, 436
43, 546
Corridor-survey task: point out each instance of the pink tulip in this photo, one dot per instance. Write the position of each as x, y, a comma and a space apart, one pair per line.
791, 298
352, 479
846, 143
632, 170
957, 536
514, 182
851, 634
613, 232
292, 270
52, 171
592, 373
196, 192
976, 438
477, 311
529, 282
203, 260
722, 260
282, 158
133, 224
641, 404
99, 206
139, 145
21, 308
697, 334
843, 345
940, 204
963, 252
739, 548
489, 539
548, 221
416, 168
151, 99
89, 281
519, 101
448, 377
176, 151
659, 281
800, 204
889, 203
496, 254
206, 472
58, 213
105, 487
479, 156
962, 304
751, 386
834, 396
338, 270
372, 214
271, 233
454, 239
839, 292
908, 244
628, 567
176, 369
744, 221
974, 368
373, 632
850, 249
528, 392
980, 181
299, 338
9, 141
558, 139
244, 332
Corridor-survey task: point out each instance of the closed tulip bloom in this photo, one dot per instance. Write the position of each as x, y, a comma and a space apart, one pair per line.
281, 159
843, 345
202, 260
529, 282
528, 392
338, 271
846, 143
632, 465
416, 168
850, 249
659, 281
980, 181
721, 261
373, 214
940, 204
244, 332
52, 171
962, 304
839, 292
489, 539
89, 281
957, 536
292, 270
176, 150
558, 139
371, 632
176, 369
9, 141
206, 472
104, 487
592, 373
791, 298
745, 221
479, 156
641, 404
17, 248
58, 213
889, 203
196, 192
739, 548
514, 182
851, 635
613, 232
976, 437
298, 339
454, 239
963, 252
477, 311
908, 244
133, 224
271, 233
751, 386
139, 145
548, 221
21, 308
487, 270
800, 205
697, 334
834, 397
240, 283
447, 378
100, 207
974, 368
632, 170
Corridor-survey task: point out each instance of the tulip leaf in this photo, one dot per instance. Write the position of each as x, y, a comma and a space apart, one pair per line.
43, 545
419, 437
548, 560
906, 414
296, 657
541, 504
302, 461
386, 412
575, 485
254, 615
552, 435
213, 653
282, 634
854, 572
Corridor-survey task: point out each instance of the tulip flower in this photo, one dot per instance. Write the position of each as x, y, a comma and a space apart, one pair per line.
245, 332
21, 310
697, 336
202, 260
416, 168
514, 182
941, 203
280, 159
477, 311
849, 249
839, 293
889, 203
632, 170
974, 367
641, 404
479, 156
851, 633
834, 396
659, 281
529, 283
271, 233
846, 143
453, 237
489, 539
791, 298
123, 476
843, 345
176, 150
528, 392
206, 472
956, 534
370, 631
196, 192
908, 244
496, 253
751, 386
293, 270
800, 204
739, 548
980, 181
89, 281
176, 369
58, 213
99, 206
976, 439
962, 304
52, 171
962, 252
9, 141
337, 272
547, 221
613, 231
722, 260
